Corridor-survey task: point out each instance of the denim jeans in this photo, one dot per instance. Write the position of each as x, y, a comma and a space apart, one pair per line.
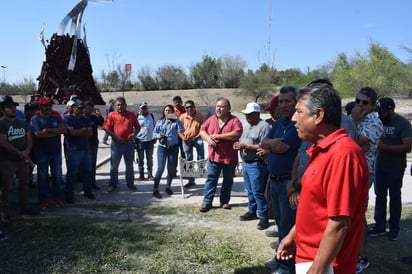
75, 160
142, 149
254, 182
45, 160
213, 172
283, 213
170, 154
105, 137
117, 151
94, 150
200, 149
388, 179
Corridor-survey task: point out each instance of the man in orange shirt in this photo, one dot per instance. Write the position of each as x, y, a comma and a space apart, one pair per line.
122, 126
192, 120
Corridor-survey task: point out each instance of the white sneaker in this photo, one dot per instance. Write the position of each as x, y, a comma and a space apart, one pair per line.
363, 263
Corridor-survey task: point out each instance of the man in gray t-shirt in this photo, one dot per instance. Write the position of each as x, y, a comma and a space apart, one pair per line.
254, 166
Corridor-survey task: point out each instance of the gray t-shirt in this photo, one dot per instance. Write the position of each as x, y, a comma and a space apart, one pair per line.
253, 135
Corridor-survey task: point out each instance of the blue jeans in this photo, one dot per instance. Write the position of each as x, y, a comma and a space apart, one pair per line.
254, 182
105, 137
118, 151
283, 213
75, 160
45, 160
170, 154
388, 179
198, 144
94, 149
145, 147
213, 172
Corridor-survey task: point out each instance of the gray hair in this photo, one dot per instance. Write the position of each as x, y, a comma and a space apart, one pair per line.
323, 96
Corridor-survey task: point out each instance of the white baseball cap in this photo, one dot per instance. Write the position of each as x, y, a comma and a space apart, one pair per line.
250, 108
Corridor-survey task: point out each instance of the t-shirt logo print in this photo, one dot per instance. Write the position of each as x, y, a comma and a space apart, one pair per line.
13, 134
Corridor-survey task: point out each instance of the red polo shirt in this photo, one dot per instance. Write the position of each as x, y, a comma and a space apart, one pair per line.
121, 125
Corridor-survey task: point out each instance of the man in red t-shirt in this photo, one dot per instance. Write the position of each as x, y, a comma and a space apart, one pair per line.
331, 208
122, 125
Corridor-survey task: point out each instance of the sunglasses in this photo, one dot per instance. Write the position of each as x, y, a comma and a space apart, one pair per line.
364, 102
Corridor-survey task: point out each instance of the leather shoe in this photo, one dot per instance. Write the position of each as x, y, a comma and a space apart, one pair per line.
205, 208
169, 191
189, 185
225, 206
157, 194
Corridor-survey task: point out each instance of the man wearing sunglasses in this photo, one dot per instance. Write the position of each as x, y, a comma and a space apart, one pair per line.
370, 130
192, 120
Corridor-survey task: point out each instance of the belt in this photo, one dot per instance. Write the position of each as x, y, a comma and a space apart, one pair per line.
253, 161
280, 178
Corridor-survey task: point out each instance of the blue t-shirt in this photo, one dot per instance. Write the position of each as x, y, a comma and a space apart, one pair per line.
281, 164
77, 142
50, 145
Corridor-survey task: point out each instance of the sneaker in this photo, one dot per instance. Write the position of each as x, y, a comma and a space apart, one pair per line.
150, 177
363, 264
3, 236
272, 263
263, 224
105, 143
58, 203
157, 194
89, 195
373, 232
43, 205
248, 216
393, 236
205, 208
169, 191
225, 206
30, 211
189, 185
272, 233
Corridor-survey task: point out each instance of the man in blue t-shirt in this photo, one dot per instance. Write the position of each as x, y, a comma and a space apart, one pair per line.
79, 129
47, 129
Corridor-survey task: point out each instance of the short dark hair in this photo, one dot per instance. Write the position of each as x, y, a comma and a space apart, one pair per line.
286, 89
190, 102
177, 97
370, 92
121, 99
323, 96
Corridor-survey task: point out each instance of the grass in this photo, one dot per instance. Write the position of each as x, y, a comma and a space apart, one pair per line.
158, 240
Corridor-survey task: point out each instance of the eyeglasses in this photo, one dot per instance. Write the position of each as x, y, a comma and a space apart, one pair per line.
364, 102
187, 107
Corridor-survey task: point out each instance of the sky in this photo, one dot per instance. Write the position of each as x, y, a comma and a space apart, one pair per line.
153, 33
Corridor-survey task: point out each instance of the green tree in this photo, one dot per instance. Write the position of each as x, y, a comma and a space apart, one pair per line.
233, 70
147, 81
206, 74
171, 77
257, 85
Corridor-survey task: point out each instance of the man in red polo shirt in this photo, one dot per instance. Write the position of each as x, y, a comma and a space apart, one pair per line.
330, 213
122, 126
220, 131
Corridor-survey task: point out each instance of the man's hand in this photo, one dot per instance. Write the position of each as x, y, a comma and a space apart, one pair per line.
287, 248
357, 113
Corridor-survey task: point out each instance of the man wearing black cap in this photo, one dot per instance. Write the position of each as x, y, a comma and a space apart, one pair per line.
395, 143
15, 147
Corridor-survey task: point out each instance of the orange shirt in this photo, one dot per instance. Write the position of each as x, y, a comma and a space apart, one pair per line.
192, 124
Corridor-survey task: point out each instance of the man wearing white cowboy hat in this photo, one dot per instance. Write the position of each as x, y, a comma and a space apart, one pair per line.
253, 165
